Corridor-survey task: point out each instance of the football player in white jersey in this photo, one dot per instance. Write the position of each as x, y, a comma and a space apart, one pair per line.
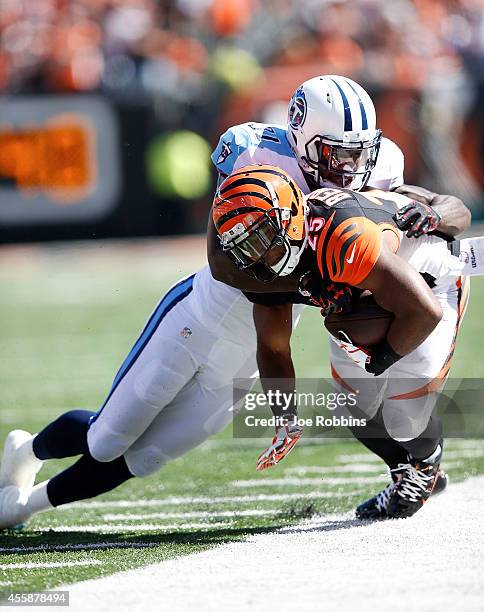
175, 387
340, 236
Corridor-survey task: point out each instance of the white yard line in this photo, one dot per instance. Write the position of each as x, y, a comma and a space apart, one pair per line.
430, 562
135, 528
74, 547
358, 458
195, 514
48, 565
230, 443
187, 500
352, 468
305, 482
464, 453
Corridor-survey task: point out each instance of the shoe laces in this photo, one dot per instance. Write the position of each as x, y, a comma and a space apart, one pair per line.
413, 482
383, 498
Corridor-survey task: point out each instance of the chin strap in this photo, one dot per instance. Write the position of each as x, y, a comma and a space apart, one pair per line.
296, 252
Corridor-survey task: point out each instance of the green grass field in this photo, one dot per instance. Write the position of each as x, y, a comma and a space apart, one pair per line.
68, 318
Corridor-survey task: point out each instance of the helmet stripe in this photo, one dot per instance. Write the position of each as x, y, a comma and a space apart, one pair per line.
346, 105
364, 120
235, 213
242, 182
241, 194
265, 170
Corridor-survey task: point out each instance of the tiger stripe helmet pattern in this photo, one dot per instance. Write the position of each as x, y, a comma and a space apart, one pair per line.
259, 214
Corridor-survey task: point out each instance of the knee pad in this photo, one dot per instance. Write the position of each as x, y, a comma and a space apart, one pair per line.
145, 461
106, 445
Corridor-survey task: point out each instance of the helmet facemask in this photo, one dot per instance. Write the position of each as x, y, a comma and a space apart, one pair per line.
264, 250
343, 164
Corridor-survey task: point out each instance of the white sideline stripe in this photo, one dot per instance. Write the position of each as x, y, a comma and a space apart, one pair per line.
73, 547
305, 482
211, 501
333, 559
195, 514
47, 565
135, 528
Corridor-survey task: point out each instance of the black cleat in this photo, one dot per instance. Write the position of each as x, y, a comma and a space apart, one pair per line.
415, 484
441, 483
376, 507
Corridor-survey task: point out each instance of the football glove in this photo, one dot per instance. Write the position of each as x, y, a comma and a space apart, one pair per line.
417, 218
329, 296
382, 356
282, 444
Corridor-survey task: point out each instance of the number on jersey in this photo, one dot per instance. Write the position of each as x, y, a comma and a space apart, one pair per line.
329, 197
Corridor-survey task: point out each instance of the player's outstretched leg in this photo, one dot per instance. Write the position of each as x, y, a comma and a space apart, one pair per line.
24, 453
84, 479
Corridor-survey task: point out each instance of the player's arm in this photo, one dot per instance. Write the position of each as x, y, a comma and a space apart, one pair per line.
274, 328
431, 212
399, 288
224, 269
360, 254
273, 325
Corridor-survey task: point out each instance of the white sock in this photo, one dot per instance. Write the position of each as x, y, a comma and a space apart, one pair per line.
38, 500
29, 445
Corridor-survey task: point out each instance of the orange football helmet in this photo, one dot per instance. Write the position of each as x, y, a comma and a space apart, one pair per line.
260, 216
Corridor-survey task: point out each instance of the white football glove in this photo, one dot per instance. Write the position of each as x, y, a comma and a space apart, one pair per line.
282, 444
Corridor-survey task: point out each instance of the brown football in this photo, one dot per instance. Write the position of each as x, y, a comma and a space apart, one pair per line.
366, 325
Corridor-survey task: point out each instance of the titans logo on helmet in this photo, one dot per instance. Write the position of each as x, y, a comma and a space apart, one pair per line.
225, 152
298, 109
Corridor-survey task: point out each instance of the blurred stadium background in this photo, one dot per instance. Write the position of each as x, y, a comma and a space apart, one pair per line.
108, 106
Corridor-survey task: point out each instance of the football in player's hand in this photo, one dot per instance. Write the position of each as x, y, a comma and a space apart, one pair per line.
365, 325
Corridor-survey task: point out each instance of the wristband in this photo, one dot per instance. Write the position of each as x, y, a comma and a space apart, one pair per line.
382, 356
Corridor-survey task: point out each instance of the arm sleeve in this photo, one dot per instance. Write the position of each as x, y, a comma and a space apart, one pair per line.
351, 251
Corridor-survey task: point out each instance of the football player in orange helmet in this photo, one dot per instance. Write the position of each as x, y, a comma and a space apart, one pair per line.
346, 237
260, 215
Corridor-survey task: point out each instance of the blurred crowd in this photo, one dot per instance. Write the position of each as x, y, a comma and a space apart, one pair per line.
85, 45
195, 60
